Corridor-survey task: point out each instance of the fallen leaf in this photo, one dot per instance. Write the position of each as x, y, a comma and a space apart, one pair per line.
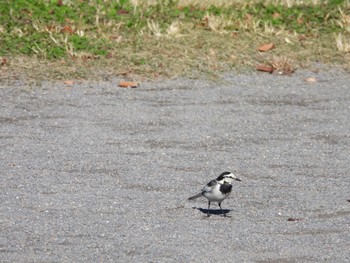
276, 15
67, 30
265, 68
294, 219
266, 47
128, 84
68, 82
234, 34
122, 12
109, 55
68, 21
116, 38
302, 37
205, 22
26, 11
51, 28
248, 18
59, 3
310, 80
3, 61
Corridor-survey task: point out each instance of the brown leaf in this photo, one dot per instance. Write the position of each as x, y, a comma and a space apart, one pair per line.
109, 55
311, 80
248, 18
116, 38
128, 84
68, 82
264, 68
205, 22
3, 61
302, 37
26, 11
50, 28
291, 219
59, 3
276, 15
266, 47
122, 12
67, 30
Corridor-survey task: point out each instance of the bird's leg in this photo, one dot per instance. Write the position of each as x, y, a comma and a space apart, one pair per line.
208, 208
222, 212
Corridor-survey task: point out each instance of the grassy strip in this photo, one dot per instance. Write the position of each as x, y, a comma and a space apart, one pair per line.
98, 39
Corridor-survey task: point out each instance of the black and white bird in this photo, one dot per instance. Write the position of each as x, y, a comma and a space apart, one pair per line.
217, 190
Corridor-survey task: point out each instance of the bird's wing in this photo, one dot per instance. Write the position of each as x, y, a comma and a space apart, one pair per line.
209, 186
212, 183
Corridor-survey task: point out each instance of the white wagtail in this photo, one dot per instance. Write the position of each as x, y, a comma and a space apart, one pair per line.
217, 190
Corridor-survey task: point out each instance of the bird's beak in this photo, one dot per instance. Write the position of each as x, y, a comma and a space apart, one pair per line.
237, 179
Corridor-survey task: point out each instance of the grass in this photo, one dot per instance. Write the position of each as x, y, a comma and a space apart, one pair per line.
98, 39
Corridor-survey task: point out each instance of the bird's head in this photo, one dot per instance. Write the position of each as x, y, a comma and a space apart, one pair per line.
227, 177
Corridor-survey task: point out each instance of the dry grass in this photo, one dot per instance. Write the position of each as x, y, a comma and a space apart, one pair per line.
344, 21
343, 43
283, 65
227, 3
201, 40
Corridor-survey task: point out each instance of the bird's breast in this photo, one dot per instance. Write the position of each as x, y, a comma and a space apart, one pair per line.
225, 188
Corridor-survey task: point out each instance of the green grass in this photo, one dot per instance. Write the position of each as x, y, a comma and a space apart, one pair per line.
117, 37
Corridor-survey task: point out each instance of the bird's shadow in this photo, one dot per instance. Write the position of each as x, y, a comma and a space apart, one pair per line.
222, 212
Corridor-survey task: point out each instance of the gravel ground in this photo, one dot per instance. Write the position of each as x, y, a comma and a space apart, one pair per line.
96, 173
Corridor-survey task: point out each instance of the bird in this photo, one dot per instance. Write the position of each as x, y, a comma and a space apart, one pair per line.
217, 190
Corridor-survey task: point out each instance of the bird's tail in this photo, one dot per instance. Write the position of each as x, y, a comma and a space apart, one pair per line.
195, 196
